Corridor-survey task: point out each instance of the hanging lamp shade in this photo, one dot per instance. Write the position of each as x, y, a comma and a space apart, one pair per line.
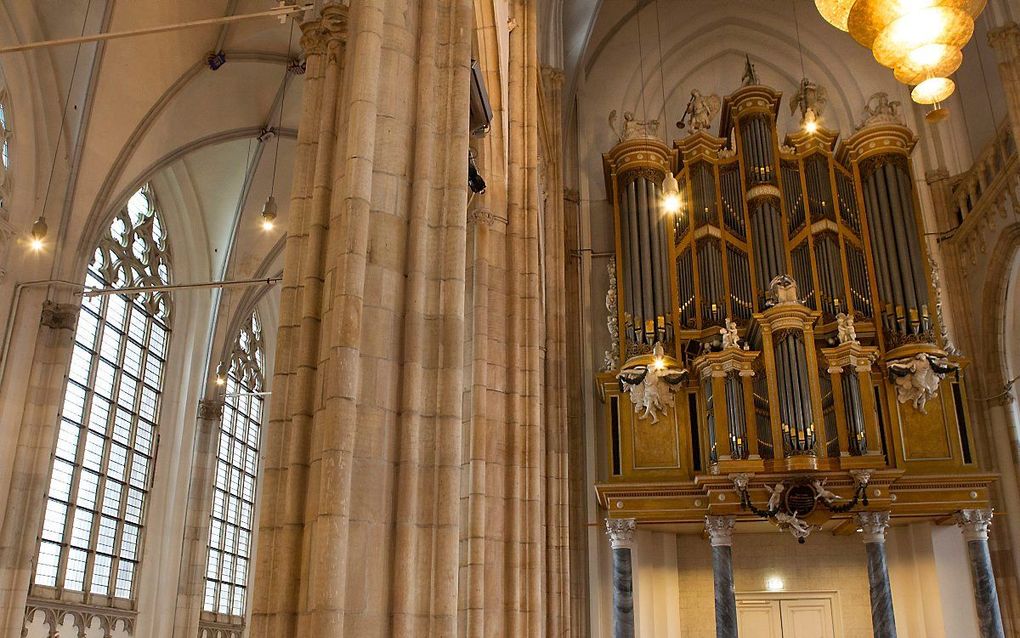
920, 40
933, 90
835, 12
933, 60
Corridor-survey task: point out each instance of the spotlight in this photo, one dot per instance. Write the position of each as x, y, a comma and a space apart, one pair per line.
475, 180
774, 583
670, 194
269, 214
810, 122
39, 231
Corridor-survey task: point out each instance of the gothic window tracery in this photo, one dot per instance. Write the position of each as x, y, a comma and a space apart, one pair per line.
92, 533
232, 519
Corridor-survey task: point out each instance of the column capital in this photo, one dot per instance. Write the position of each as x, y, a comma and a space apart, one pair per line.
59, 316
720, 530
620, 532
210, 409
873, 524
974, 523
329, 25
1006, 41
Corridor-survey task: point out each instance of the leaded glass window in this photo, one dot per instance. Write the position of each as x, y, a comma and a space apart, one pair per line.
232, 518
5, 148
91, 538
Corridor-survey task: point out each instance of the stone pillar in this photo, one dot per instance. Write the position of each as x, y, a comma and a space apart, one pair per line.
975, 524
1006, 42
874, 524
621, 538
720, 533
33, 448
191, 586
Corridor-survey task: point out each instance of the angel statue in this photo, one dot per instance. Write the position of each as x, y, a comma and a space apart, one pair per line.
809, 97
703, 110
776, 496
845, 330
750, 76
823, 493
651, 385
917, 378
730, 336
632, 127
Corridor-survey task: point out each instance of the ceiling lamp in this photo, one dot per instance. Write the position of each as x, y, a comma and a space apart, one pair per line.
920, 40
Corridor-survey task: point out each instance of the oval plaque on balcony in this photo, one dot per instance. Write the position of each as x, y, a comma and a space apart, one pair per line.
800, 499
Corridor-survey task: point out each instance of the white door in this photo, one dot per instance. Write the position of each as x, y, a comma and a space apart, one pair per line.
776, 617
759, 619
807, 618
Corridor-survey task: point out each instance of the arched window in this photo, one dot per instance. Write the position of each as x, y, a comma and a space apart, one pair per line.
5, 148
91, 539
237, 462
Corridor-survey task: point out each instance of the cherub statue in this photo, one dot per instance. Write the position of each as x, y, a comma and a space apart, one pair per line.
776, 496
730, 336
879, 109
823, 493
750, 76
917, 378
845, 330
651, 386
703, 110
799, 528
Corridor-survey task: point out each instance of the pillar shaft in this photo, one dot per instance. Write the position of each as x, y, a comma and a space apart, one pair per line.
1006, 42
720, 533
883, 621
621, 538
975, 524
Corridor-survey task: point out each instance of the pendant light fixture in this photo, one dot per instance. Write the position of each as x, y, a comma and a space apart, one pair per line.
671, 201
920, 40
269, 209
40, 229
809, 120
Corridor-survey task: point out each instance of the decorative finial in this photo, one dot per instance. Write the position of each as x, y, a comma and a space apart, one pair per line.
750, 76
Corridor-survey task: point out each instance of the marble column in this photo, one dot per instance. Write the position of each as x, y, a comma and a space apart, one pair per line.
621, 538
975, 524
720, 533
1006, 42
874, 524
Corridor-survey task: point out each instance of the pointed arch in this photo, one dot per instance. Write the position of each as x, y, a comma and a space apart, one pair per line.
90, 544
232, 515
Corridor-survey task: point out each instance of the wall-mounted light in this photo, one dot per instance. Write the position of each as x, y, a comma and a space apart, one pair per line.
221, 374
774, 583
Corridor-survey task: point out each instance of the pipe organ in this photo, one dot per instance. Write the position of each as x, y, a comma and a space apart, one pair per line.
793, 289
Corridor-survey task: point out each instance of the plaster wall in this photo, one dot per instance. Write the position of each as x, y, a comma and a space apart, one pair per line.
928, 568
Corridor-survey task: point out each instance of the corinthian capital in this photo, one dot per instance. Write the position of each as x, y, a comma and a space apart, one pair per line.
720, 530
974, 523
873, 524
620, 532
327, 23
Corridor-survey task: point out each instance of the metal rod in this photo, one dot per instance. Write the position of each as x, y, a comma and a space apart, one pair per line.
99, 292
278, 12
247, 394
